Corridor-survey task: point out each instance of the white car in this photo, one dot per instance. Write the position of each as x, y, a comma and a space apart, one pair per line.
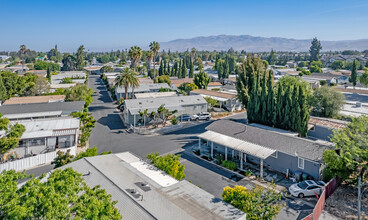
306, 188
202, 116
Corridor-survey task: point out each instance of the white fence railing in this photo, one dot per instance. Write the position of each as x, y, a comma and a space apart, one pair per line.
29, 162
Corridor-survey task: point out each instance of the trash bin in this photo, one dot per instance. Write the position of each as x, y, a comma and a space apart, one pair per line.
298, 176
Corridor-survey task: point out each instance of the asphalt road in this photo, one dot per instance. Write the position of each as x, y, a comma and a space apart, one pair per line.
110, 134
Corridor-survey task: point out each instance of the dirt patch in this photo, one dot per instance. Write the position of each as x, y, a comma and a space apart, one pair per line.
344, 203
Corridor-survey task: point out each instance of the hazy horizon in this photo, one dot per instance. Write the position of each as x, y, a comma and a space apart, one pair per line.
112, 24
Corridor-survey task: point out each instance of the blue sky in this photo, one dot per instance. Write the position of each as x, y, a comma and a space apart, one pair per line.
111, 24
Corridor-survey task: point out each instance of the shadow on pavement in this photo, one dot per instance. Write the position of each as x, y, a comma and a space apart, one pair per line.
112, 121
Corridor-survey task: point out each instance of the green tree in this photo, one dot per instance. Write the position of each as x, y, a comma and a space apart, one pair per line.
363, 79
184, 70
13, 133
3, 92
211, 102
87, 122
144, 114
66, 80
163, 79
354, 75
41, 86
302, 64
187, 87
63, 195
154, 47
169, 163
135, 53
202, 80
80, 92
62, 159
127, 78
258, 203
191, 70
349, 158
80, 63
272, 59
69, 63
149, 58
315, 50
106, 69
337, 64
327, 102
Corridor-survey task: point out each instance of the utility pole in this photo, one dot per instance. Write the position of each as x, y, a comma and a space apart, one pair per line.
359, 179
360, 194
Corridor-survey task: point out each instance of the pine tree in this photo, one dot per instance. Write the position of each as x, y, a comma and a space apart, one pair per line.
48, 75
80, 64
180, 66
304, 111
220, 70
315, 49
168, 69
354, 76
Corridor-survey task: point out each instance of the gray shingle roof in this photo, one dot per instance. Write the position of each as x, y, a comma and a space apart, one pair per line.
283, 143
65, 107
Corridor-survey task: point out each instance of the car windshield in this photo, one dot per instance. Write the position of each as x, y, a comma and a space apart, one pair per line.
302, 185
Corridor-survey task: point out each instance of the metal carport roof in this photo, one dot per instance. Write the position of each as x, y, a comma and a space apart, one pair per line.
233, 143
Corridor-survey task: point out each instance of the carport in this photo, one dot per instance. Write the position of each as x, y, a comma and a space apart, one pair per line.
239, 145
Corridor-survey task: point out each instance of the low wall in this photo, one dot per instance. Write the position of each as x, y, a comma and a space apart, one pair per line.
29, 162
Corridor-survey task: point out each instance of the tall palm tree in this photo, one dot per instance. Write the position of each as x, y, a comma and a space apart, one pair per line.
149, 57
135, 53
127, 78
155, 47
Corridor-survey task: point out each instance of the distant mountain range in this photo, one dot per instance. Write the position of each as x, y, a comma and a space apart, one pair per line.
259, 44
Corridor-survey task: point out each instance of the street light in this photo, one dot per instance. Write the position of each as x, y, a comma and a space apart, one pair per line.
360, 194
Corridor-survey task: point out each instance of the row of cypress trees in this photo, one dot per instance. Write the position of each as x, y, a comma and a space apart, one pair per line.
179, 69
284, 105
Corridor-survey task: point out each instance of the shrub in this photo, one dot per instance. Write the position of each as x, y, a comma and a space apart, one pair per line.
67, 80
231, 165
169, 163
174, 120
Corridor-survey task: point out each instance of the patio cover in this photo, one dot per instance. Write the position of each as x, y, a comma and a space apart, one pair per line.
240, 145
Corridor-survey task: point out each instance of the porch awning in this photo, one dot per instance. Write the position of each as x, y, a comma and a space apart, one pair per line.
236, 144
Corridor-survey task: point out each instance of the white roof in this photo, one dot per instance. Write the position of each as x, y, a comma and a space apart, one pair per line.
154, 95
48, 127
148, 170
170, 102
33, 115
240, 145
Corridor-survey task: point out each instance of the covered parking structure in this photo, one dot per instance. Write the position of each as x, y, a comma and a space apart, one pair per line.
212, 143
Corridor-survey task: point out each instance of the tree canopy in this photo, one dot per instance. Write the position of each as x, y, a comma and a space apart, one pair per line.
169, 163
13, 133
63, 195
349, 158
258, 203
315, 49
202, 80
327, 102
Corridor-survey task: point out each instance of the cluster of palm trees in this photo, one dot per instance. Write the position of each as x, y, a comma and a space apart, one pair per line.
128, 77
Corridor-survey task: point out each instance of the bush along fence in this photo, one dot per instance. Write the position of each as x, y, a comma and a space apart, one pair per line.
327, 192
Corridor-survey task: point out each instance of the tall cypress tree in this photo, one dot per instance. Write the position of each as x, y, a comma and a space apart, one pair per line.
304, 111
354, 76
270, 99
161, 69
191, 71
184, 70
263, 100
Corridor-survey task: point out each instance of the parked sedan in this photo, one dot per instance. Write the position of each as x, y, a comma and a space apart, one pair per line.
184, 118
306, 188
202, 116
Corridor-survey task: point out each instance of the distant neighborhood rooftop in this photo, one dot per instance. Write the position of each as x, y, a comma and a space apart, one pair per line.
144, 87
211, 93
143, 192
34, 99
328, 122
270, 139
65, 107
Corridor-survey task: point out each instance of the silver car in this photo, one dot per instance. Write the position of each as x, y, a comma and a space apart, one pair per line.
306, 188
202, 116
